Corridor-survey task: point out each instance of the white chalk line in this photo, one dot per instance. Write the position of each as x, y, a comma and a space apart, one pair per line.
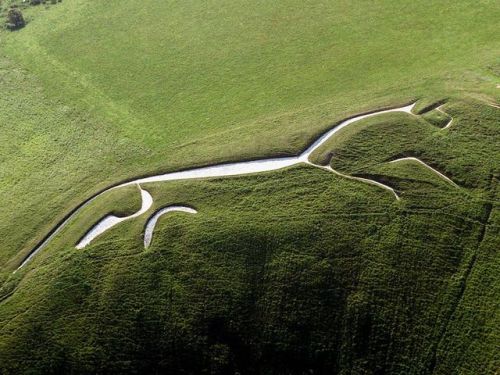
110, 221
410, 158
366, 180
219, 170
447, 114
151, 223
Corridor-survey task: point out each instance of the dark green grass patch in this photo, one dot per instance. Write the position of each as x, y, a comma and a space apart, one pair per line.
437, 118
270, 273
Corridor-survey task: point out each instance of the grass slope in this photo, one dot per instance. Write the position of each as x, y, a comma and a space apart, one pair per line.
278, 273
294, 271
130, 88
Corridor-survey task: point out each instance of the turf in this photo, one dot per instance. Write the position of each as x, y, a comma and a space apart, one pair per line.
293, 271
273, 274
143, 87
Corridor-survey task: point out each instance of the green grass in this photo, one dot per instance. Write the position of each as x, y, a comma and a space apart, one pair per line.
281, 272
366, 146
119, 89
437, 118
287, 283
276, 274
122, 202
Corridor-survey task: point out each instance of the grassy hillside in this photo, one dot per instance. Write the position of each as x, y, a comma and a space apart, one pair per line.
296, 271
274, 275
126, 88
